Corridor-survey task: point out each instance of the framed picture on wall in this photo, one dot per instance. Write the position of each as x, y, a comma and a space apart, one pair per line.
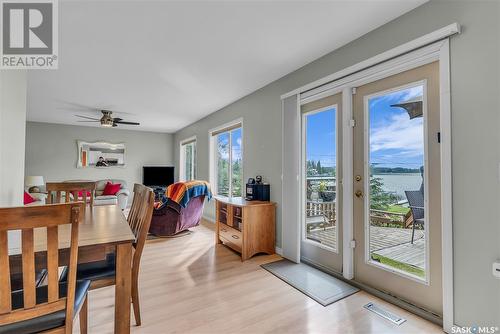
100, 154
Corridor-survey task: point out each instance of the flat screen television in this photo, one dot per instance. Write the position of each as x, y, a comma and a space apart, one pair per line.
161, 176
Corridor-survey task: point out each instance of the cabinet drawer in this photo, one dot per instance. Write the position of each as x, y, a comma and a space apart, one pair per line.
231, 235
231, 244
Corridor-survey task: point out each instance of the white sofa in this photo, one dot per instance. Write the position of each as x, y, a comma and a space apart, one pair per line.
121, 197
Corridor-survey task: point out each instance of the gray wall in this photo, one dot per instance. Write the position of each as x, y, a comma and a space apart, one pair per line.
475, 111
51, 151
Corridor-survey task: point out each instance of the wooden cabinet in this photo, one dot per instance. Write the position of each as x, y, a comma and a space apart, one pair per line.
247, 227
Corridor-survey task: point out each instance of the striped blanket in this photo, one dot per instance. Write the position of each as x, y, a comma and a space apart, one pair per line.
182, 192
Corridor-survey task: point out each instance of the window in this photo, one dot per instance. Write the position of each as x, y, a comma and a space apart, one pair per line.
188, 160
227, 160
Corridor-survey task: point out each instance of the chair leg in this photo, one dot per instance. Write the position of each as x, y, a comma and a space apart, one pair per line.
413, 232
135, 299
84, 316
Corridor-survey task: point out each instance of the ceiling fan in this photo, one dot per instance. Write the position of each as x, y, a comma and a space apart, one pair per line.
107, 120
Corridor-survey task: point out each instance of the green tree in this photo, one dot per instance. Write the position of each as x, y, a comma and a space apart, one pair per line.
379, 198
318, 168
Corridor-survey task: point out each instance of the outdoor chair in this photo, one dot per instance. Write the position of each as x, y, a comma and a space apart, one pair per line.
416, 204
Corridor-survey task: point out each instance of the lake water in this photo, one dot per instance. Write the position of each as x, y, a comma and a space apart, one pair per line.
398, 183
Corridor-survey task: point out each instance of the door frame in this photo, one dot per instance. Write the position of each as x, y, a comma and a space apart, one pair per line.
405, 57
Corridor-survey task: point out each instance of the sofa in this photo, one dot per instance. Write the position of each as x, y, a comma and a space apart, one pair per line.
172, 218
121, 197
39, 198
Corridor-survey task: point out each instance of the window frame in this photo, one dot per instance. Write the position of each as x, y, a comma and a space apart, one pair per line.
182, 158
212, 136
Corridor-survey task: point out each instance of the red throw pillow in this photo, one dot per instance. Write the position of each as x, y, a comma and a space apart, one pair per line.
28, 199
111, 189
80, 194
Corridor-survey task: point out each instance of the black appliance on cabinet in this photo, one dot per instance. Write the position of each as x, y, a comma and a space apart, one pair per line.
256, 190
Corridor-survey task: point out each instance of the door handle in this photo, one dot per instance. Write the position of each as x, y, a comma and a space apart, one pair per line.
359, 194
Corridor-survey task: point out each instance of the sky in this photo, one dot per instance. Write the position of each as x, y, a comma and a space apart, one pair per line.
395, 140
321, 143
236, 140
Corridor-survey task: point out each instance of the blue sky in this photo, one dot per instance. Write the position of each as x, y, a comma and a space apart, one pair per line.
223, 139
321, 143
395, 140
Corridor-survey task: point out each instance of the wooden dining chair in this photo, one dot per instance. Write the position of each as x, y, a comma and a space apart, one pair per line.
52, 307
102, 273
71, 192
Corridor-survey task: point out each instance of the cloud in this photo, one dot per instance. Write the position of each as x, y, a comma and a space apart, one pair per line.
401, 134
397, 97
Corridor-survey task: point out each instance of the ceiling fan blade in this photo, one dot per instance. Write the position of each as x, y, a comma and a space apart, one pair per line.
92, 118
128, 123
88, 121
117, 119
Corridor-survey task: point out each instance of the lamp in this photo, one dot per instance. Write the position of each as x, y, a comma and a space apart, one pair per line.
33, 182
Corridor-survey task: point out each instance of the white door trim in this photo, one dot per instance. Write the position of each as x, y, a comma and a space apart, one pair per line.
347, 186
446, 185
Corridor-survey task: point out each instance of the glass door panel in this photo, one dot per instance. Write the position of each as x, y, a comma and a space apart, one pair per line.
321, 183
396, 197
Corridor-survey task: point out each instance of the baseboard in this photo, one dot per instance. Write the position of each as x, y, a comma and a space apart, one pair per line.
278, 251
208, 219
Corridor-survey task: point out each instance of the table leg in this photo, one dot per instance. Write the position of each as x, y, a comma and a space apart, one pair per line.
123, 287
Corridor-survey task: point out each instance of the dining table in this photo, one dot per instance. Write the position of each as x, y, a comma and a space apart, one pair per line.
103, 229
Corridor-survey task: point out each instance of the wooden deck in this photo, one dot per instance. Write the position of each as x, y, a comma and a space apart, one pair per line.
390, 242
412, 254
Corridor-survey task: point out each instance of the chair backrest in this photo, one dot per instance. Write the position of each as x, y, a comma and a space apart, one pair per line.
416, 203
79, 191
27, 219
139, 218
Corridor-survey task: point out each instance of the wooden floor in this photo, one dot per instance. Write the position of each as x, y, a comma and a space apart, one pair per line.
189, 285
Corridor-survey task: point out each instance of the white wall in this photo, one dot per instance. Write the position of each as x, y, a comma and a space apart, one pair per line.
475, 91
51, 151
12, 136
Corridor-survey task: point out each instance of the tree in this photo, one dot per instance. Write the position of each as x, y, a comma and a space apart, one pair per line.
379, 198
318, 167
311, 168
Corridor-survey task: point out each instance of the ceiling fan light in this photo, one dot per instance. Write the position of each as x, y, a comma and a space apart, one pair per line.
107, 122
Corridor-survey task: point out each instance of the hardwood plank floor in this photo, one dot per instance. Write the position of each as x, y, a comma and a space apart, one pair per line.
189, 285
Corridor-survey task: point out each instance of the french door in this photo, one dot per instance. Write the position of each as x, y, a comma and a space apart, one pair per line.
321, 170
396, 170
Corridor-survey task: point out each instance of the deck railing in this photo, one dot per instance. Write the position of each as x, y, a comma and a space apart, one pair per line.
377, 217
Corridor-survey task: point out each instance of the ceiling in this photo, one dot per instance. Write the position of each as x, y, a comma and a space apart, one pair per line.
167, 64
